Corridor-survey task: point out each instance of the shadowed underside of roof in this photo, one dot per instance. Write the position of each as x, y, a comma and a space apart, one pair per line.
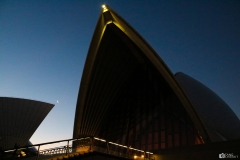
19, 119
121, 74
221, 122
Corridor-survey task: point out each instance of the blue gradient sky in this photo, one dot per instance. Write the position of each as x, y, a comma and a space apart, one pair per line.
43, 46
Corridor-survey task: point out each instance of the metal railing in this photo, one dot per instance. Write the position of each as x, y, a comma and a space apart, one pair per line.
84, 144
57, 150
20, 152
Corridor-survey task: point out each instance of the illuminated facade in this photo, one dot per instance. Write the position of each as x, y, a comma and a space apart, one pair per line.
129, 96
19, 119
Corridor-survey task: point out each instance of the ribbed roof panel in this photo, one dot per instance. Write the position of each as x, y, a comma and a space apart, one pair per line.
19, 119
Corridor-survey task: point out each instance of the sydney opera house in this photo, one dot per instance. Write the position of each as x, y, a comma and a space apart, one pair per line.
19, 119
128, 95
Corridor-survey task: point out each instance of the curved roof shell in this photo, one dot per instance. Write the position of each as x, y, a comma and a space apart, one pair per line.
106, 72
219, 119
19, 119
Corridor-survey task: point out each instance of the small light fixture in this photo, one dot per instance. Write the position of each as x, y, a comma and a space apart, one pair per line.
23, 153
103, 6
135, 157
142, 156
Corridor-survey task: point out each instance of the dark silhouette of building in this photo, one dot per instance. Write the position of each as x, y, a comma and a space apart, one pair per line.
19, 119
128, 95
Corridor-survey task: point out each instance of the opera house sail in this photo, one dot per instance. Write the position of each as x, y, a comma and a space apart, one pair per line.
128, 95
19, 119
219, 120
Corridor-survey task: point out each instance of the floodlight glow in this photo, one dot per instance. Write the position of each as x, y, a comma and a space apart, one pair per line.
103, 6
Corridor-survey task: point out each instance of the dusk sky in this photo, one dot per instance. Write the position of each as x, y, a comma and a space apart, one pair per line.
44, 44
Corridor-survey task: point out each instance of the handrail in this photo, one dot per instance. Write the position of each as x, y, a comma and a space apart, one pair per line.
122, 150
14, 150
41, 144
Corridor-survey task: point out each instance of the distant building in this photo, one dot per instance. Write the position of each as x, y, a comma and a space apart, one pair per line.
19, 119
128, 95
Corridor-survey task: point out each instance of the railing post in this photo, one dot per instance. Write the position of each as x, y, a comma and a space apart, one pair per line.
128, 152
38, 152
91, 143
107, 147
67, 148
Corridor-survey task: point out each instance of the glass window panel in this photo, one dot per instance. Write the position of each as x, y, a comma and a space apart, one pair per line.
143, 140
138, 115
169, 140
169, 126
144, 123
176, 139
138, 126
183, 139
150, 128
138, 120
197, 140
156, 137
136, 144
176, 126
150, 147
156, 125
155, 114
162, 136
191, 138
149, 137
150, 118
137, 136
162, 123
162, 145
